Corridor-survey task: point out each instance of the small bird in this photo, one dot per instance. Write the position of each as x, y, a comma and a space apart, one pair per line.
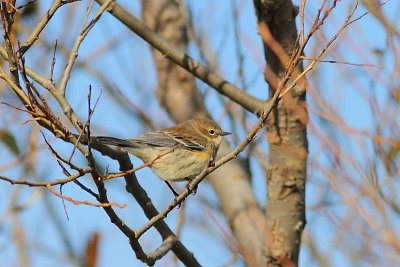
192, 146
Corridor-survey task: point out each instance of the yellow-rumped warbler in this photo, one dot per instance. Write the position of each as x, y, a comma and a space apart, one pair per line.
192, 145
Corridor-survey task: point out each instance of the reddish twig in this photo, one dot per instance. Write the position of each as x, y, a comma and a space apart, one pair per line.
20, 109
120, 174
76, 202
315, 27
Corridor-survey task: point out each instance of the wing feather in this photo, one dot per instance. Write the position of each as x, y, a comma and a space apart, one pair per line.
157, 139
168, 139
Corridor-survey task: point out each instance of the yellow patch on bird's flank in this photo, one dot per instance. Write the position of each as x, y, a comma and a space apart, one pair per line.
205, 155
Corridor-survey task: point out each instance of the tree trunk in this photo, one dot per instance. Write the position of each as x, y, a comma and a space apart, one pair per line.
287, 137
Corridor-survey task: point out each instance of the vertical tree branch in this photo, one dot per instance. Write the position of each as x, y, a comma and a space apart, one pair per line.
287, 138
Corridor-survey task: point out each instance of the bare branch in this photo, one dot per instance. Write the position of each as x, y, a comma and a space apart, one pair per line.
51, 183
236, 94
82, 35
41, 25
343, 62
76, 202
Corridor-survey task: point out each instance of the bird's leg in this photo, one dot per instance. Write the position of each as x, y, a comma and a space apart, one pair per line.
175, 194
172, 189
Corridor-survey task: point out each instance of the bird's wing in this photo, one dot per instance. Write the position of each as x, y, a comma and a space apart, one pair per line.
168, 139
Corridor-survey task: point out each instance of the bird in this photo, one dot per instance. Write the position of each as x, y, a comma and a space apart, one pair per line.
177, 153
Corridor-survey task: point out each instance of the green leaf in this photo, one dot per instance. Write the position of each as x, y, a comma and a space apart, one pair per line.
9, 141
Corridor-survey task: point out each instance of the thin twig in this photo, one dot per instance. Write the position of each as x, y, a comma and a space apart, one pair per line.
76, 202
342, 62
46, 83
26, 4
346, 23
90, 112
53, 182
20, 109
63, 203
41, 25
38, 104
59, 158
78, 42
120, 174
53, 61
199, 70
87, 123
11, 5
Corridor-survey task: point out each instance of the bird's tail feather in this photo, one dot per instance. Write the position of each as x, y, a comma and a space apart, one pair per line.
106, 140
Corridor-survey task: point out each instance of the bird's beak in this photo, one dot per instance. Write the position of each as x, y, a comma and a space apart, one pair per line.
225, 133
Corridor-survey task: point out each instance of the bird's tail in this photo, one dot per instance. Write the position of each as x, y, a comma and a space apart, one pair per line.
106, 140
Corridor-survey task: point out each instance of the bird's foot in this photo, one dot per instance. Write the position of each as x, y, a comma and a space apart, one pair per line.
192, 191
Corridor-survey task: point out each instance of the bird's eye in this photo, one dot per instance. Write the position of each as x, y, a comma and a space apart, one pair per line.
211, 132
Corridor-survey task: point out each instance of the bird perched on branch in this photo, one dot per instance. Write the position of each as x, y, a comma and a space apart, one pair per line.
177, 153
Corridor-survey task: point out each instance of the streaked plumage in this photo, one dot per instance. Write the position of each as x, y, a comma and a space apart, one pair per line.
196, 141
